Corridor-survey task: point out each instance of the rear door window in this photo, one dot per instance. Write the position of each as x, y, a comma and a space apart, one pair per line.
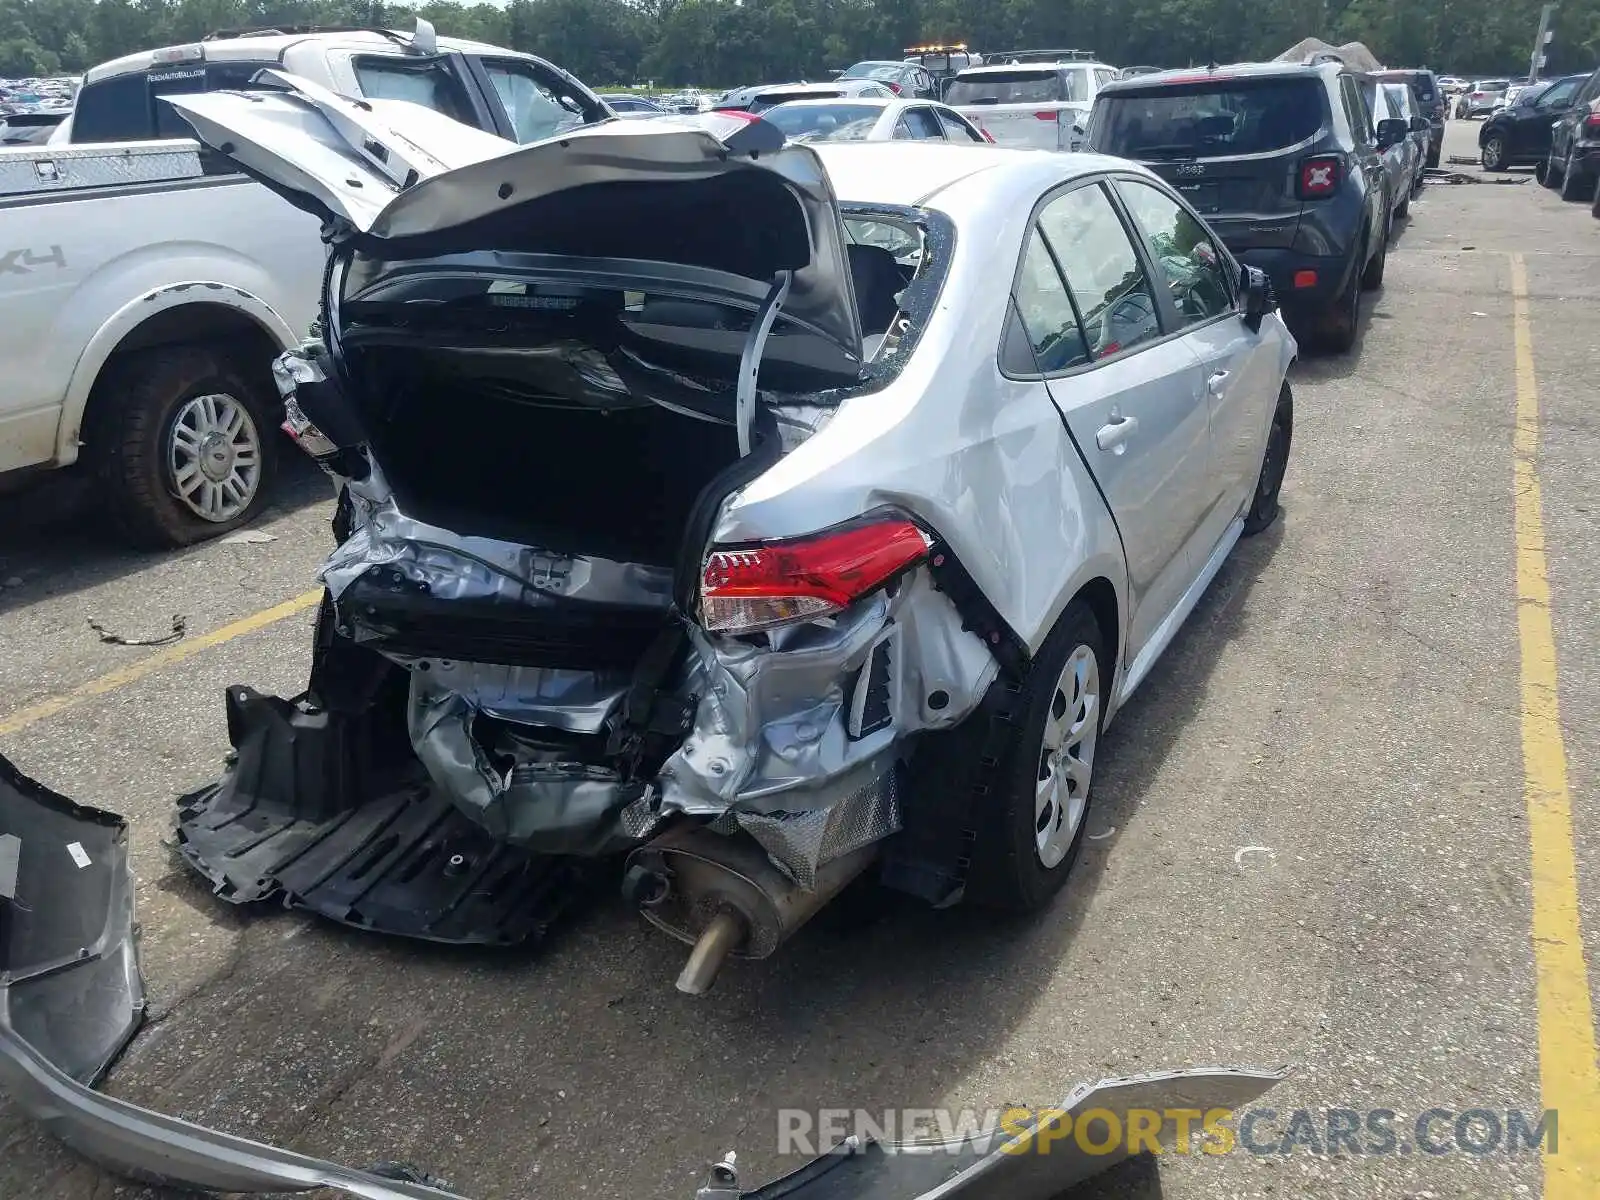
1186, 257
535, 108
1209, 120
956, 129
1010, 87
919, 124
1557, 94
1109, 288
429, 82
1049, 337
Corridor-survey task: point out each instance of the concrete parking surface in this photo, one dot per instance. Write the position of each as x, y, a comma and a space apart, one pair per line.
1352, 702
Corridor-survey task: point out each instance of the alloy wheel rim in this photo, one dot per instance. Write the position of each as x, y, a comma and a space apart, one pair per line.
1066, 757
1491, 153
214, 457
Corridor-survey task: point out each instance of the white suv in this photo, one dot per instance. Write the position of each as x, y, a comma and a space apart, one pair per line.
1033, 99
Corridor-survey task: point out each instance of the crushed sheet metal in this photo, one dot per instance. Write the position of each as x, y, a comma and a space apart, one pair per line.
772, 732
554, 806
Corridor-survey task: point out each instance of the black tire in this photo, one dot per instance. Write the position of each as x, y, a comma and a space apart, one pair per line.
1574, 185
1494, 152
1403, 209
1274, 463
1595, 211
1372, 274
1337, 329
1541, 171
135, 408
1006, 869
1551, 177
1433, 157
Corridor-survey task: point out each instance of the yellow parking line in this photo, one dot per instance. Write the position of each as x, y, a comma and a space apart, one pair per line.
176, 653
1569, 1077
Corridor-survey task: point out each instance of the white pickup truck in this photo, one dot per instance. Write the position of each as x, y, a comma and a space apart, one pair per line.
145, 289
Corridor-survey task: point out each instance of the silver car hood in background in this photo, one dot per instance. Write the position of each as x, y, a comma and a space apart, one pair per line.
406, 181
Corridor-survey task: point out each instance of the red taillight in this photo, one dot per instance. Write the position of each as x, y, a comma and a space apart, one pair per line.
1319, 177
746, 589
1592, 121
895, 88
1045, 116
1305, 279
987, 136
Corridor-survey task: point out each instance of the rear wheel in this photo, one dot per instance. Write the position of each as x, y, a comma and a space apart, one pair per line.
1574, 186
180, 441
1494, 152
1552, 172
1372, 276
1337, 332
1031, 837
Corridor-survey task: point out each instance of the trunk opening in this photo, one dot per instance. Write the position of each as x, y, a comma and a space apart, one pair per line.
478, 458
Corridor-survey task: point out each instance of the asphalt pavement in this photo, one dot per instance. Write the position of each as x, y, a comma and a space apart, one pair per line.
1310, 842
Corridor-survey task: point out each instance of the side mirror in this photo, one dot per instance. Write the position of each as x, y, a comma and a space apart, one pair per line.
1392, 131
1420, 125
1256, 291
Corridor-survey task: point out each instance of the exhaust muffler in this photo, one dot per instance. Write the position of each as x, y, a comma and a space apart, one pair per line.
723, 895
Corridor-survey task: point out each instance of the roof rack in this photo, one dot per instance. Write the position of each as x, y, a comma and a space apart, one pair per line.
422, 41
937, 48
1023, 56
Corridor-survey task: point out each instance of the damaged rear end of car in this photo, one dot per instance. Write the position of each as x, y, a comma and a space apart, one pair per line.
542, 383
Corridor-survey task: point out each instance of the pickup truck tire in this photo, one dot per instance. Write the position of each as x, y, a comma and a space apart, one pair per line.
1027, 841
182, 443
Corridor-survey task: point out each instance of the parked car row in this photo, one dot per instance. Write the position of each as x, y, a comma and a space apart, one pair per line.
1554, 125
1302, 170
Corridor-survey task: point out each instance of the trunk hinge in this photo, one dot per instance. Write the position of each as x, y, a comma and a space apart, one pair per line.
750, 357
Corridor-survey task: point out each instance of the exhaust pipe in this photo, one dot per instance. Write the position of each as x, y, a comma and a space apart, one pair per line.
723, 895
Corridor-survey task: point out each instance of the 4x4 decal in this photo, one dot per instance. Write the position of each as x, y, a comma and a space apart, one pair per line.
23, 262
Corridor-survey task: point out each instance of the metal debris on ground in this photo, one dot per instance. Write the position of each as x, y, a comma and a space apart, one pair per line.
1462, 160
179, 627
1440, 175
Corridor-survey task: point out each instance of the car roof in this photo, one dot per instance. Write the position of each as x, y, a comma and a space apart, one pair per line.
1051, 65
1185, 76
270, 47
879, 62
914, 173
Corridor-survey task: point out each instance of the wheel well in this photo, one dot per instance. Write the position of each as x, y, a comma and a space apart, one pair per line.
1101, 597
242, 338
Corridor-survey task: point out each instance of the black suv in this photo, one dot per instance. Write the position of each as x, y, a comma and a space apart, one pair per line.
1285, 164
1425, 90
1573, 163
1520, 132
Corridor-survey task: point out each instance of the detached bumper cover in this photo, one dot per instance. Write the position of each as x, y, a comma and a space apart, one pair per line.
71, 998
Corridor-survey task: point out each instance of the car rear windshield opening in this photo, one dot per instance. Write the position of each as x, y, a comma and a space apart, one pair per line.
767, 99
1015, 87
1213, 120
833, 122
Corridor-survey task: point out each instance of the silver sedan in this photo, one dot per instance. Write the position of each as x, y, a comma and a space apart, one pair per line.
765, 512
869, 120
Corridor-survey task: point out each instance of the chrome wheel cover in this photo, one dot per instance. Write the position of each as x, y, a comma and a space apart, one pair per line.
1066, 758
214, 457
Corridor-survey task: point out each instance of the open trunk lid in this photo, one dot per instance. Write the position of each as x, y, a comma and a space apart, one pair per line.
401, 182
1230, 145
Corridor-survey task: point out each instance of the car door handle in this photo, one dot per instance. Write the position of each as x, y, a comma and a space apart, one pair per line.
1218, 378
1114, 434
